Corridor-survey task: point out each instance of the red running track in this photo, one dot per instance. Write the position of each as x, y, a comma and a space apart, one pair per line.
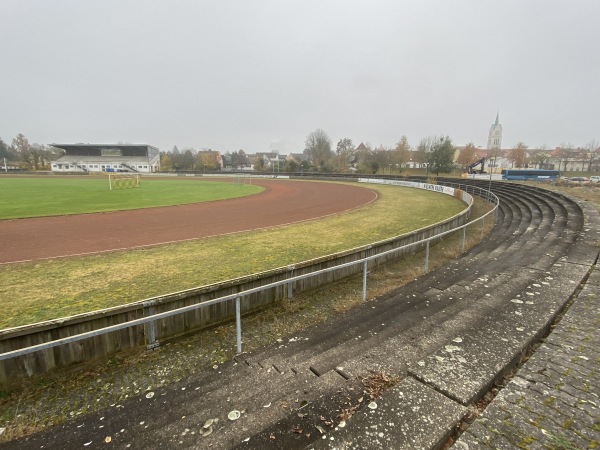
282, 202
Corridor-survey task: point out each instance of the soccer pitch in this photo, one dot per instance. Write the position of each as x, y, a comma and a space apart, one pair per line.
37, 197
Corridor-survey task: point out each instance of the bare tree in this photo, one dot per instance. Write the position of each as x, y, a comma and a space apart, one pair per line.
592, 153
403, 150
493, 155
424, 150
383, 157
565, 154
344, 154
20, 144
318, 150
540, 157
518, 155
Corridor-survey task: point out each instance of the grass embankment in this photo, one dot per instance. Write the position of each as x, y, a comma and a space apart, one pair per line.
32, 292
38, 197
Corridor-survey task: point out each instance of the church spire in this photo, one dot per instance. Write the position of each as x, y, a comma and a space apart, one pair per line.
495, 135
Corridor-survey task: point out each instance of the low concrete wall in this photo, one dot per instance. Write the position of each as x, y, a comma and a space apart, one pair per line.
147, 335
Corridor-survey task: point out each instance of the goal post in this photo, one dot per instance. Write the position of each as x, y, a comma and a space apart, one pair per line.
123, 180
242, 179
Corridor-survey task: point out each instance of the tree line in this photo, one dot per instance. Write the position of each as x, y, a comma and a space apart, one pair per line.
22, 154
435, 153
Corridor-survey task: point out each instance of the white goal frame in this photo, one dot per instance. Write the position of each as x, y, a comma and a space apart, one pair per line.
123, 180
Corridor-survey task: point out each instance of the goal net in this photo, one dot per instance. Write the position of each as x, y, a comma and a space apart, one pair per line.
123, 181
242, 179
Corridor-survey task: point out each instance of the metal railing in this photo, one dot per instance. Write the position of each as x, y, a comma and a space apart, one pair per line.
482, 193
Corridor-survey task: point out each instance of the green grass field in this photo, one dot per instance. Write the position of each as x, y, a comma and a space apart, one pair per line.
35, 197
32, 292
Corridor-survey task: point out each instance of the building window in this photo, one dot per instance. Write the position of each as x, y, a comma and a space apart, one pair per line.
110, 151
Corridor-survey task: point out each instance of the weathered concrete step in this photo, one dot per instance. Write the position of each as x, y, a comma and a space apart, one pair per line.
295, 351
263, 411
201, 399
408, 416
468, 365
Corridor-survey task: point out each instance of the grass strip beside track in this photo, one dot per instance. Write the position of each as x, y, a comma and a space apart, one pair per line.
32, 292
36, 197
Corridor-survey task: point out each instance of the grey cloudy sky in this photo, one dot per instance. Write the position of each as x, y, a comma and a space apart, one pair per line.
262, 74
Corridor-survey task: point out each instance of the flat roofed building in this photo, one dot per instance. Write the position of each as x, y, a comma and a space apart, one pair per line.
139, 158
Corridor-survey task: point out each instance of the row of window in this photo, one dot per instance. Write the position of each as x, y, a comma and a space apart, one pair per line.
94, 166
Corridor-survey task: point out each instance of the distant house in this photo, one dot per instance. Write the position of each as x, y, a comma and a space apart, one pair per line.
272, 160
565, 159
86, 158
211, 159
297, 157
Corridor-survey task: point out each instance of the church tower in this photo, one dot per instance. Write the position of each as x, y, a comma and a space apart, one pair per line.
495, 134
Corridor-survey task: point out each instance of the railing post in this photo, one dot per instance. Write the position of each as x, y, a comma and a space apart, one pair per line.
149, 327
364, 297
427, 258
289, 285
238, 325
462, 244
482, 225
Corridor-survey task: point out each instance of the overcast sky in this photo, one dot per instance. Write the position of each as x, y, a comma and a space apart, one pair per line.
261, 75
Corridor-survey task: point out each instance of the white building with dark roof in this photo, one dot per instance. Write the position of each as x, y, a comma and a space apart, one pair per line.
85, 158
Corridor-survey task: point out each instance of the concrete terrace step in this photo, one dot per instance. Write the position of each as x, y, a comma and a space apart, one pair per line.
467, 367
409, 416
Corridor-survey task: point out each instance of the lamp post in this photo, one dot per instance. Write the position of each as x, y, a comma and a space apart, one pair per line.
490, 183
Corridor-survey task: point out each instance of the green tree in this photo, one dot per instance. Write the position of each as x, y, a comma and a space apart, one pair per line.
176, 159
260, 164
4, 150
318, 150
441, 156
166, 162
292, 166
304, 165
188, 159
239, 159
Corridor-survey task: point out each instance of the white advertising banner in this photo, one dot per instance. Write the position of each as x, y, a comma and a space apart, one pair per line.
412, 184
